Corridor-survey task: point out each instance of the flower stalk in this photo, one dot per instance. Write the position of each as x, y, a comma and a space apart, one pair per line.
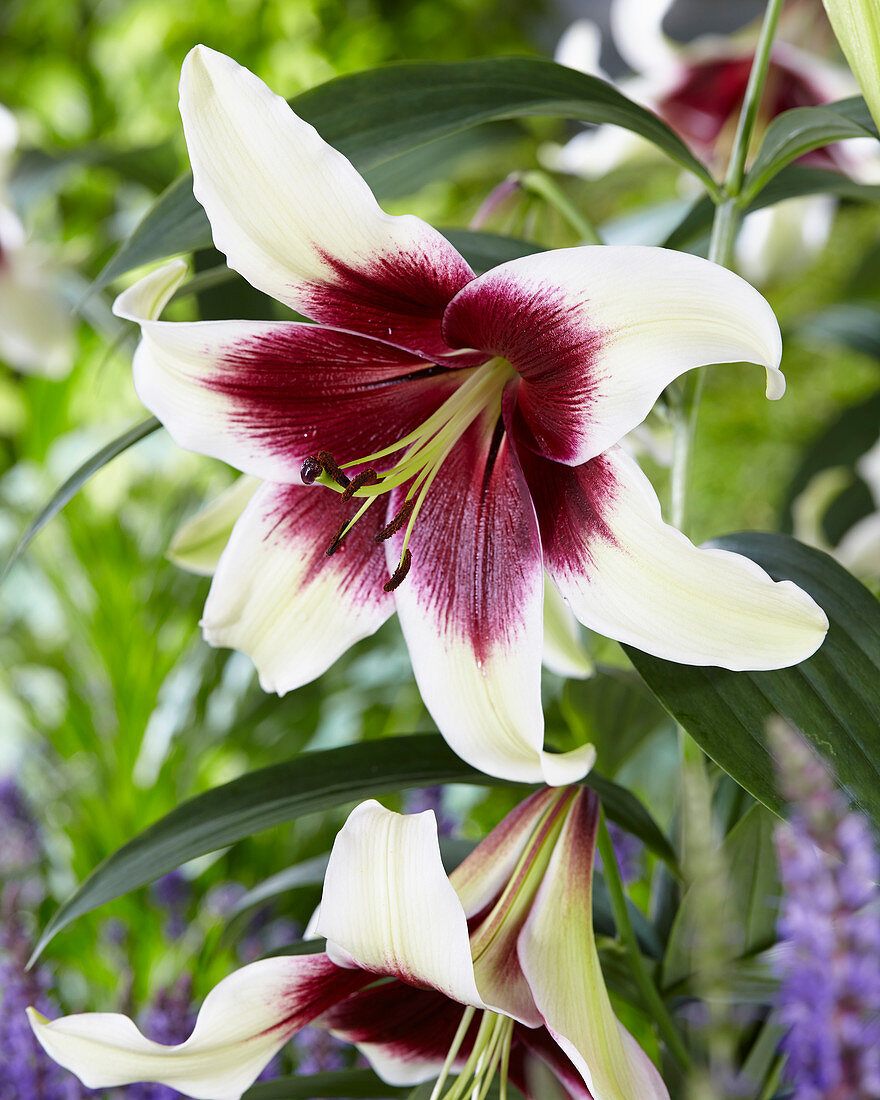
653, 1000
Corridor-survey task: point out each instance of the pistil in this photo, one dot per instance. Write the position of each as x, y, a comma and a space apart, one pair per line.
424, 452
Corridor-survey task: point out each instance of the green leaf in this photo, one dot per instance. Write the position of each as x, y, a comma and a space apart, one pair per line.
76, 481
791, 135
751, 893
376, 115
833, 698
354, 1084
486, 250
792, 181
308, 783
854, 325
842, 443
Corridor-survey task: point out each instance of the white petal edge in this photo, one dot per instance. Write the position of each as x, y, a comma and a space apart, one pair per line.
701, 606
264, 602
241, 1025
390, 907
199, 541
657, 313
281, 201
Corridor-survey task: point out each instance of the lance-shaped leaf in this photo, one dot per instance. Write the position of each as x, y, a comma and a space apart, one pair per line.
373, 116
794, 133
309, 783
833, 698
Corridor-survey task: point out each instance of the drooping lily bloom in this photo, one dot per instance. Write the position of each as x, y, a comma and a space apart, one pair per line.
438, 439
493, 968
36, 329
698, 89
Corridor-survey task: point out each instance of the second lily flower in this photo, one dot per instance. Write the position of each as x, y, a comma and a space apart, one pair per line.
439, 439
491, 970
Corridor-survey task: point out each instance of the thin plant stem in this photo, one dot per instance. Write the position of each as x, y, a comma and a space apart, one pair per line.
724, 229
650, 994
538, 183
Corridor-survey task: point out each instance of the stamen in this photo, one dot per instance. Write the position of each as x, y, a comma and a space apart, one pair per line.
399, 574
365, 477
328, 462
311, 470
336, 541
399, 520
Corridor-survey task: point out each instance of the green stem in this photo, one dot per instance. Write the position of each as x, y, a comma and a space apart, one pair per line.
536, 182
724, 228
653, 1001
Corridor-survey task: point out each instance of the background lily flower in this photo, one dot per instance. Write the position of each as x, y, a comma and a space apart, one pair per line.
698, 89
493, 968
467, 423
36, 327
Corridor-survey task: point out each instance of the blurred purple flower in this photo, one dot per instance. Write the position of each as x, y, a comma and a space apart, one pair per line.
829, 926
172, 892
28, 1072
420, 799
630, 854
318, 1051
20, 849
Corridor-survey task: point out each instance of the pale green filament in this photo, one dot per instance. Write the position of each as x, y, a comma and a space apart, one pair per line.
491, 1050
428, 446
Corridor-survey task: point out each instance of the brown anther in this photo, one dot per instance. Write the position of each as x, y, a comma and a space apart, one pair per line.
399, 520
328, 462
336, 541
399, 574
310, 470
365, 477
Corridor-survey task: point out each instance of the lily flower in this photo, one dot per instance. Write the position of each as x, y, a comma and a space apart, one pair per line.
36, 327
698, 89
437, 440
491, 969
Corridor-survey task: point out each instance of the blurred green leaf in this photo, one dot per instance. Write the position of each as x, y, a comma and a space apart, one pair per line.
311, 782
486, 250
375, 115
308, 783
833, 698
842, 443
791, 135
77, 479
790, 182
613, 712
853, 325
751, 893
350, 1084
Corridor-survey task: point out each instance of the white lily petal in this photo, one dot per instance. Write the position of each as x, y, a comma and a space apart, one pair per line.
637, 29
294, 217
558, 955
262, 395
389, 906
580, 48
280, 599
36, 326
199, 541
596, 334
471, 611
242, 1023
564, 651
630, 576
784, 238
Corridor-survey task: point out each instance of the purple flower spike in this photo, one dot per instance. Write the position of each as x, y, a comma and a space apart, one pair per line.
829, 926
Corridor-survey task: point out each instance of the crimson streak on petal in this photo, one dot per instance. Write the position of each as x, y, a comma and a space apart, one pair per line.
397, 297
547, 336
297, 389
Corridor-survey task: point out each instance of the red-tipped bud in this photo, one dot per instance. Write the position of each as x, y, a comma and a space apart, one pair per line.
310, 470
